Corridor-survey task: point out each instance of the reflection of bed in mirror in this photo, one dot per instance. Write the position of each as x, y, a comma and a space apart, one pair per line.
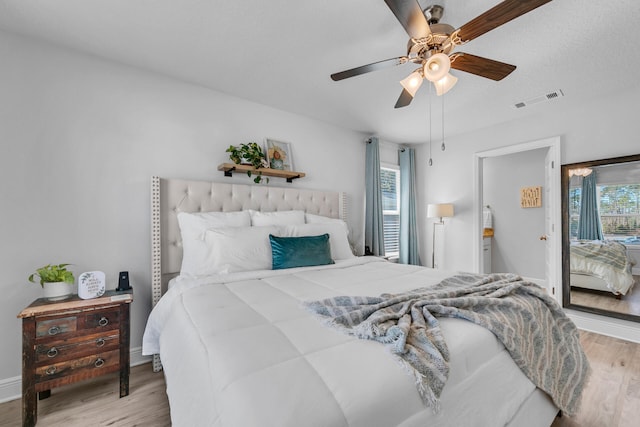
602, 265
601, 201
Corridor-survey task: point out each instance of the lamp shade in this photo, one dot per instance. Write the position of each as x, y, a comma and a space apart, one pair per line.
412, 82
441, 210
436, 67
445, 84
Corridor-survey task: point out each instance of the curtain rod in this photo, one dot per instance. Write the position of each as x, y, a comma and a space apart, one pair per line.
386, 143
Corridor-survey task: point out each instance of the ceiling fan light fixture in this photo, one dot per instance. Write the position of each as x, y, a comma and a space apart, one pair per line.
412, 82
445, 84
436, 67
583, 172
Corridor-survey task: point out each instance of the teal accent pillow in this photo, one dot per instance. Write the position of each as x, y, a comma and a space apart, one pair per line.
289, 252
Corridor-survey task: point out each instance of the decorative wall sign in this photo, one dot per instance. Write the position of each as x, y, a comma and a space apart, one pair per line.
531, 197
91, 284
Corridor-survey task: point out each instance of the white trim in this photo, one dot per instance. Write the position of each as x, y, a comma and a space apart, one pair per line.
553, 144
11, 388
136, 358
613, 327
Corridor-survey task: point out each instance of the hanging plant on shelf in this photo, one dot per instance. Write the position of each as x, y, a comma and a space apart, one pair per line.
249, 154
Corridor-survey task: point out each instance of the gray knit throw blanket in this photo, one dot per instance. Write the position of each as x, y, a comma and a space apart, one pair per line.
542, 341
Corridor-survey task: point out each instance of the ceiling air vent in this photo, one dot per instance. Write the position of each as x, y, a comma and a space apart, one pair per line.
547, 97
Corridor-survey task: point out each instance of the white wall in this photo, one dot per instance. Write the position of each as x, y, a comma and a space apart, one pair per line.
604, 128
389, 153
515, 228
81, 138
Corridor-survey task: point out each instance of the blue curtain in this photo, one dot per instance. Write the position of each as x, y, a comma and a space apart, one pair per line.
589, 226
373, 224
408, 216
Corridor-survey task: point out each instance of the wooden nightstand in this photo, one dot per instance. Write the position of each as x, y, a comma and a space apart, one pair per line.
72, 340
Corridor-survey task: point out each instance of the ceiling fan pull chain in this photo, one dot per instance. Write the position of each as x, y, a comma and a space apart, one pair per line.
442, 146
430, 159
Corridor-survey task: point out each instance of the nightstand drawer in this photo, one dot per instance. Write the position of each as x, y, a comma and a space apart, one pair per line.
57, 326
104, 319
76, 346
83, 367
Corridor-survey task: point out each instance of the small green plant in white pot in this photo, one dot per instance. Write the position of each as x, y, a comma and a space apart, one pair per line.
56, 281
250, 154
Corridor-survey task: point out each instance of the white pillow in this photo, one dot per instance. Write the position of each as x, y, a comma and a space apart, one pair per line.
340, 248
276, 218
192, 228
314, 219
236, 249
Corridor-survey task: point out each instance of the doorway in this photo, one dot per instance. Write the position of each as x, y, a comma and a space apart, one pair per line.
550, 204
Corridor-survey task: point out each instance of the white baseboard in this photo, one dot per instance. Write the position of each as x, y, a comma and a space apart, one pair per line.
136, 357
11, 388
617, 328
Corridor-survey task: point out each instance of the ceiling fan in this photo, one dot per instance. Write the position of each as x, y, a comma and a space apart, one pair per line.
431, 46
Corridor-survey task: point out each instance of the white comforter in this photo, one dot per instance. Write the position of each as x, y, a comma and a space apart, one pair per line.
239, 350
605, 263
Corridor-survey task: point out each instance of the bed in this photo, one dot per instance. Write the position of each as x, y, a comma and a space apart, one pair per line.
601, 265
239, 349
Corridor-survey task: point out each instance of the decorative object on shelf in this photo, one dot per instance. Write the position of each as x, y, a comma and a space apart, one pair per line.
91, 284
56, 281
279, 155
249, 154
442, 210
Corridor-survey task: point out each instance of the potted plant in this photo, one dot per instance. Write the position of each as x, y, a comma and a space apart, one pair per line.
56, 281
250, 154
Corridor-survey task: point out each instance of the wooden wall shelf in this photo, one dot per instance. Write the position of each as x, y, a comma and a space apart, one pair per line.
229, 168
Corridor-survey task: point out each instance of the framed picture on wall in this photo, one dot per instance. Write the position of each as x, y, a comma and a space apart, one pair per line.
279, 155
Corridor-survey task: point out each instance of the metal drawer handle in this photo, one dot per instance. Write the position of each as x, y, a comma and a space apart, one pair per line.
103, 321
54, 330
53, 352
100, 342
99, 363
50, 370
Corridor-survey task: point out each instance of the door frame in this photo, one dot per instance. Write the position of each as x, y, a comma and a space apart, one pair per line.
554, 244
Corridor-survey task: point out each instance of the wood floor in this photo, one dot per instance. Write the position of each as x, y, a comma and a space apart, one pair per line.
611, 399
612, 396
96, 403
627, 304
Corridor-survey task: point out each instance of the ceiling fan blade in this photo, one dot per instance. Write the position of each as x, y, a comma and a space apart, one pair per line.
496, 16
404, 99
483, 67
411, 17
375, 66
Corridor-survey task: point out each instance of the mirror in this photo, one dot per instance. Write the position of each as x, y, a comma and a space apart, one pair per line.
601, 236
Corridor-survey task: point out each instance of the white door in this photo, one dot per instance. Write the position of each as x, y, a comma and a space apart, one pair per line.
549, 226
552, 237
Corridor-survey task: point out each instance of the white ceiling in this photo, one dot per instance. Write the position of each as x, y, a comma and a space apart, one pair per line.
281, 53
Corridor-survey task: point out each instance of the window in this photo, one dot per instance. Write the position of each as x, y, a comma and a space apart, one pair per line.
619, 208
390, 180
